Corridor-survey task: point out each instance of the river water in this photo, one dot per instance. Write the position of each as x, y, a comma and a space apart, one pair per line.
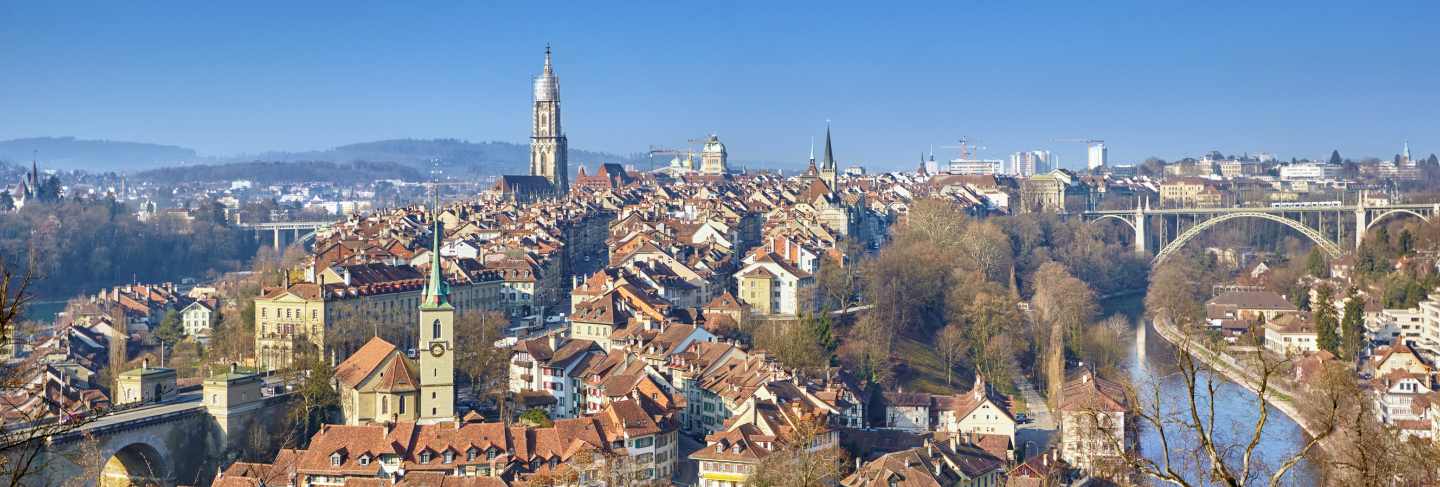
1149, 364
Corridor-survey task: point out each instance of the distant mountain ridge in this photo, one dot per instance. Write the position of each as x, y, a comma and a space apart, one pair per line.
94, 155
451, 155
474, 158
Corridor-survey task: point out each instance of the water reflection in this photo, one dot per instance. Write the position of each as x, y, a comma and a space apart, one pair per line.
1153, 365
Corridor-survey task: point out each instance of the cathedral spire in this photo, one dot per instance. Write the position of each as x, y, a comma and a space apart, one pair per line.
549, 71
829, 162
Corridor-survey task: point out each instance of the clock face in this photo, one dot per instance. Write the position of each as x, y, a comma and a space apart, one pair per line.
437, 349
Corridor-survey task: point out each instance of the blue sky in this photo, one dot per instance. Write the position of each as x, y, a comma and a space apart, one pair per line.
1160, 78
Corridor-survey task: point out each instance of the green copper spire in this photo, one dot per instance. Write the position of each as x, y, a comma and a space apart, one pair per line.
437, 291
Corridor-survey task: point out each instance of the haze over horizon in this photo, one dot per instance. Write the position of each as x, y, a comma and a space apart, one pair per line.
1295, 80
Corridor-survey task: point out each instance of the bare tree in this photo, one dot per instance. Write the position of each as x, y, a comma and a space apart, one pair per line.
951, 344
801, 460
1211, 459
23, 440
478, 359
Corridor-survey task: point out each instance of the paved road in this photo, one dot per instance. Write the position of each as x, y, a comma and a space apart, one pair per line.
686, 471
1042, 425
182, 402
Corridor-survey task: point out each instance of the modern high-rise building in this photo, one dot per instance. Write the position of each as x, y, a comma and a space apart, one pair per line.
1030, 163
547, 140
1099, 155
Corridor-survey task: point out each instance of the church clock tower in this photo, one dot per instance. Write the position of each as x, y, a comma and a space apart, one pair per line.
437, 341
547, 141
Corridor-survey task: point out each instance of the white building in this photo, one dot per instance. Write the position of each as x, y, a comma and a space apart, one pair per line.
973, 167
1291, 334
196, 318
1309, 172
1030, 163
1099, 155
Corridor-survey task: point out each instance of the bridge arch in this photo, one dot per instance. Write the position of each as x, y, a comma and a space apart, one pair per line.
136, 464
1189, 234
1397, 212
1127, 221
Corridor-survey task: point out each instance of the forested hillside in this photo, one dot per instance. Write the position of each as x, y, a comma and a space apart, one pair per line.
81, 246
269, 172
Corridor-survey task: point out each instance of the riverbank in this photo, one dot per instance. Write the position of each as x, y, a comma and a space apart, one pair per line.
1281, 396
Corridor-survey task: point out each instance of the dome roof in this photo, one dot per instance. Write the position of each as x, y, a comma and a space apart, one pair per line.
714, 145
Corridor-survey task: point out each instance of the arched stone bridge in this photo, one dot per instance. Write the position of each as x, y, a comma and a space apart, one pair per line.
182, 441
1309, 221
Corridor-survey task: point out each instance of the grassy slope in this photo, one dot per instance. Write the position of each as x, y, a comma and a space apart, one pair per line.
922, 370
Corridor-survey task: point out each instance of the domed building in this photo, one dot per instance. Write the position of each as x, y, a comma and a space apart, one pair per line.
713, 157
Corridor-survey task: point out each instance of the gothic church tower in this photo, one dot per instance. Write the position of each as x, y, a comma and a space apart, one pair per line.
437, 340
547, 140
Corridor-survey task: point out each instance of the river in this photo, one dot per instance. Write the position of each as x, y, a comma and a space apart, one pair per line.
1149, 361
44, 311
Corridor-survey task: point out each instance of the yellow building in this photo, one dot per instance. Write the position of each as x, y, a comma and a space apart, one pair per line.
377, 385
757, 289
1190, 192
350, 304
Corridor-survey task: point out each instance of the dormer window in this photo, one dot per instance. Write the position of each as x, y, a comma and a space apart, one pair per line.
491, 452
335, 459
470, 454
449, 456
425, 457
363, 460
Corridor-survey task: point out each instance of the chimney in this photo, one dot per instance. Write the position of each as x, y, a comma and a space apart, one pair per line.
234, 367
145, 364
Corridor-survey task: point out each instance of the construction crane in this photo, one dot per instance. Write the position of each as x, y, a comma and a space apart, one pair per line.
661, 151
1087, 142
967, 147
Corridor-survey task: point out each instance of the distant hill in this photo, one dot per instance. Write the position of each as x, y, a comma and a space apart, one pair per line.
93, 155
452, 155
270, 172
457, 157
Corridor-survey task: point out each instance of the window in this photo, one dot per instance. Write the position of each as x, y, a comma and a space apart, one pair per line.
335, 459
490, 453
364, 459
435, 329
402, 404
645, 442
425, 457
449, 456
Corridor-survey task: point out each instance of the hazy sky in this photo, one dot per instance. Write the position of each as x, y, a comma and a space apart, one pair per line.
1151, 78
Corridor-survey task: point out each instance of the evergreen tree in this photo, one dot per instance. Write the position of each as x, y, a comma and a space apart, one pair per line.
49, 190
1406, 244
1352, 325
7, 202
822, 332
1335, 157
1382, 239
1326, 323
1315, 264
169, 330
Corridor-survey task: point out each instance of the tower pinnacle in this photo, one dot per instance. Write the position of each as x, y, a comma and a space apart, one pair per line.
437, 292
